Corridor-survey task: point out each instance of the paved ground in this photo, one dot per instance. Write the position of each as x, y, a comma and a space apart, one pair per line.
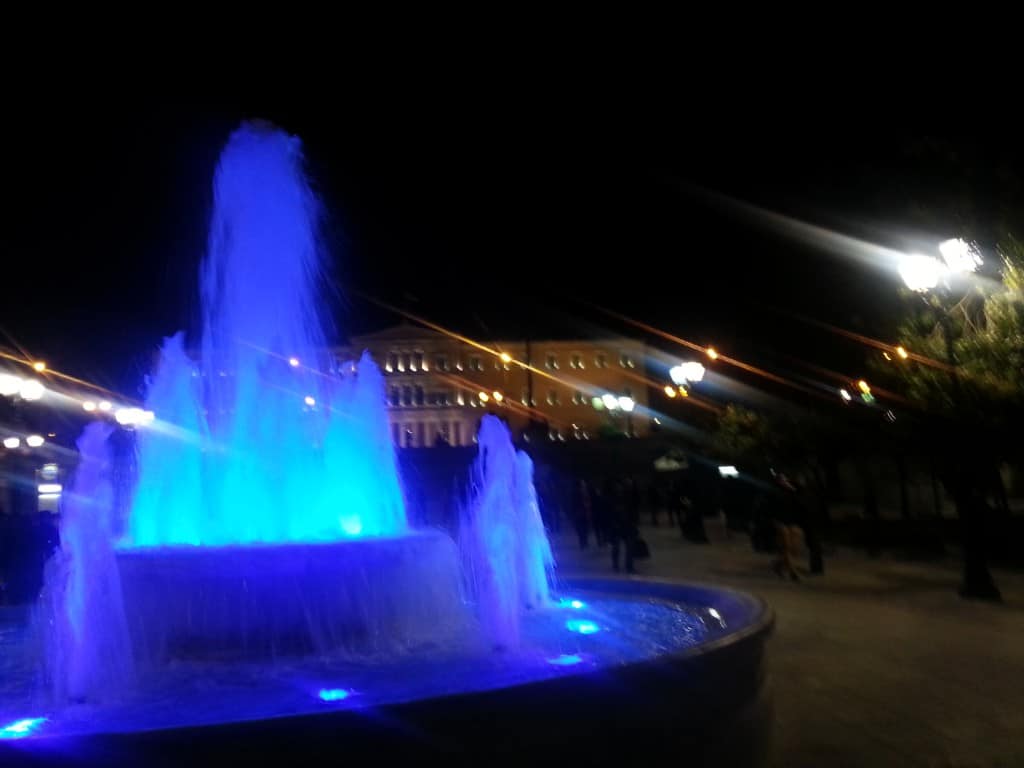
878, 663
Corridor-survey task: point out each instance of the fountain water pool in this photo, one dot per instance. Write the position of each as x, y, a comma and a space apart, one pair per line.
266, 571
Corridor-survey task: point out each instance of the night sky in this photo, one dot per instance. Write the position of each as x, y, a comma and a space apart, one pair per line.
498, 221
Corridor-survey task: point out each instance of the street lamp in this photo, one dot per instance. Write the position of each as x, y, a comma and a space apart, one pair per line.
12, 442
39, 366
34, 441
688, 372
9, 384
31, 389
627, 403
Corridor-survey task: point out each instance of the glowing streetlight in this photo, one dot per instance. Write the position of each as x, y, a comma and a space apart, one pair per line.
610, 401
901, 352
309, 400
12, 442
498, 397
104, 406
921, 273
39, 366
31, 389
712, 353
34, 441
863, 387
627, 404
484, 397
959, 255
506, 357
293, 362
9, 384
845, 395
89, 406
687, 372
670, 391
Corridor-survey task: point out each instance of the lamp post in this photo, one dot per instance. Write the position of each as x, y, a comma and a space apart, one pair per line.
942, 280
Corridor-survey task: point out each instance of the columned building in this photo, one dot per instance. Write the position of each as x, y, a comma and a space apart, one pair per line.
438, 386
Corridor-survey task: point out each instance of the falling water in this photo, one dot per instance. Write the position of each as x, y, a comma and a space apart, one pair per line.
504, 546
261, 439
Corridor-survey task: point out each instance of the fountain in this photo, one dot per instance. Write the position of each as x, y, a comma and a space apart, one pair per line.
264, 596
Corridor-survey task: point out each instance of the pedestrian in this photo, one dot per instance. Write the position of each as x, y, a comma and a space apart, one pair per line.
787, 516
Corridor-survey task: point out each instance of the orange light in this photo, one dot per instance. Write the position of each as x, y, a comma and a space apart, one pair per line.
670, 390
863, 387
39, 366
498, 397
506, 357
484, 397
887, 356
902, 352
712, 353
684, 392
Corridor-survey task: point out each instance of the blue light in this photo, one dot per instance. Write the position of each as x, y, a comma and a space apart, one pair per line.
334, 694
566, 602
21, 728
565, 660
582, 626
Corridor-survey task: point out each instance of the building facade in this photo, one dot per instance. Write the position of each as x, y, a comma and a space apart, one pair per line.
438, 386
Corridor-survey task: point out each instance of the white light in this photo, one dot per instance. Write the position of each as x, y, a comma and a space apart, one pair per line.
959, 255
12, 442
309, 400
34, 441
728, 471
50, 488
714, 614
293, 362
31, 389
104, 405
49, 496
129, 416
627, 404
9, 384
690, 371
920, 272
147, 417
845, 395
610, 401
89, 406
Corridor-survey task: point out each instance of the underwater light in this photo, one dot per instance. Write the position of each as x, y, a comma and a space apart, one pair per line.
566, 660
567, 602
334, 694
21, 728
582, 626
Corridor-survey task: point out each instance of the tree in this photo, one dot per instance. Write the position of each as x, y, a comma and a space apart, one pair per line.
966, 373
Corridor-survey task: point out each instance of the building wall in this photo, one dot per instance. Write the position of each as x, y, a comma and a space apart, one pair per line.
440, 386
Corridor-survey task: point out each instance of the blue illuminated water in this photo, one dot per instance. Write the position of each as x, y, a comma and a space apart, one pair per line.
205, 693
250, 447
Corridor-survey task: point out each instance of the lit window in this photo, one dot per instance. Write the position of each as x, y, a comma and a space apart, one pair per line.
475, 363
625, 360
553, 434
601, 360
525, 399
552, 397
392, 363
551, 363
460, 398
576, 362
579, 398
441, 362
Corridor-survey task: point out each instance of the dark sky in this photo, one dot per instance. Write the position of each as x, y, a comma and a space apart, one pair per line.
495, 219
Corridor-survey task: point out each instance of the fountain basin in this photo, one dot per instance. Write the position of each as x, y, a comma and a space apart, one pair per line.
706, 703
361, 596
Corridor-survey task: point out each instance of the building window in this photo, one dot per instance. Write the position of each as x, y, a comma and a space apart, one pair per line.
626, 361
601, 360
460, 398
391, 363
475, 363
419, 396
441, 362
407, 396
551, 363
553, 434
458, 433
576, 361
445, 432
579, 398
417, 362
420, 430
395, 397
409, 437
525, 399
552, 397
